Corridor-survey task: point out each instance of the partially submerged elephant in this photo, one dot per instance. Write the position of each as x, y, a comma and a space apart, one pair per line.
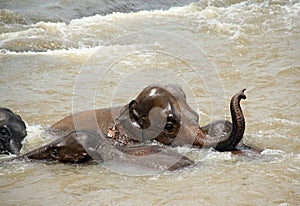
12, 132
158, 113
83, 145
162, 114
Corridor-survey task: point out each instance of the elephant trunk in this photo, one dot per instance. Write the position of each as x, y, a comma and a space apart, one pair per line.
238, 124
43, 152
39, 153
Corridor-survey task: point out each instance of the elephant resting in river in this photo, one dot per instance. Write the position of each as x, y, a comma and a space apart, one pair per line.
158, 113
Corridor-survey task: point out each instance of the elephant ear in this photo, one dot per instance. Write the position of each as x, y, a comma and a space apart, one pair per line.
139, 113
134, 114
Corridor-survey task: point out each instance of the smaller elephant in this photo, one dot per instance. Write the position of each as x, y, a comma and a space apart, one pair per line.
84, 145
12, 132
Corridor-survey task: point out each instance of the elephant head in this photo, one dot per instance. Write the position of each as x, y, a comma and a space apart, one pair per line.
12, 132
163, 114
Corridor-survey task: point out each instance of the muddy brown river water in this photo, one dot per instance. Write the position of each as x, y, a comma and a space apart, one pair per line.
49, 69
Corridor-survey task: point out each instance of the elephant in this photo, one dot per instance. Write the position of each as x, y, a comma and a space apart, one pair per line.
159, 113
83, 145
12, 132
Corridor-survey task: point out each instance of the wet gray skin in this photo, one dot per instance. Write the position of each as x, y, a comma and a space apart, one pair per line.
173, 122
178, 122
159, 113
12, 132
81, 146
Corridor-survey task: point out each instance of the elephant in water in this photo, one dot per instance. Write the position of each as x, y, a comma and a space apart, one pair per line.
12, 132
84, 145
158, 113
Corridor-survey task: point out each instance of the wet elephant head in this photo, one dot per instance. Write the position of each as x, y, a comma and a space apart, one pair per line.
12, 132
163, 114
68, 148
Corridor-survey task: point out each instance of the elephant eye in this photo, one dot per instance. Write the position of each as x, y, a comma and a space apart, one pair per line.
169, 127
5, 131
54, 153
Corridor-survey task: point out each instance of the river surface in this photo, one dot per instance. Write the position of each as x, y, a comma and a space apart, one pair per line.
61, 57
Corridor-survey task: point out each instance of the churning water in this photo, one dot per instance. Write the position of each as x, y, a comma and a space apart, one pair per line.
64, 56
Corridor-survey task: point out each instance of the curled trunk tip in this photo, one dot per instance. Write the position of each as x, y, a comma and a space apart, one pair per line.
238, 124
241, 94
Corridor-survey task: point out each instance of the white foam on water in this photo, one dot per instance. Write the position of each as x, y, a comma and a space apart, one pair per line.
236, 19
272, 152
35, 138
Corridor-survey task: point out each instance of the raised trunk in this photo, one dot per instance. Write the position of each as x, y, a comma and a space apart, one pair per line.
238, 124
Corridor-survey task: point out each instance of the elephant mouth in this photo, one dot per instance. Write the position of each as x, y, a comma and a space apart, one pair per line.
114, 133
